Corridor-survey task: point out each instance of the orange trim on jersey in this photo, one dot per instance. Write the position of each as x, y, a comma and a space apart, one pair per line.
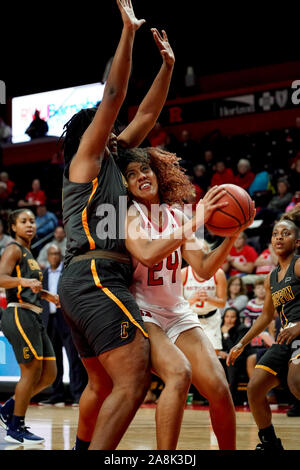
84, 216
260, 366
27, 341
114, 298
19, 287
215, 279
186, 276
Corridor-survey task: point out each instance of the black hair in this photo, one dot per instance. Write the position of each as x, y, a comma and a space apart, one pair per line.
73, 131
75, 128
238, 319
12, 220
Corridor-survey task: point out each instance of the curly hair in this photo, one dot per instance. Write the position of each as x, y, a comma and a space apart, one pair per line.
175, 187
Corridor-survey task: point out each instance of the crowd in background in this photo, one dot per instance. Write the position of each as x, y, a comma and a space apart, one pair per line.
266, 164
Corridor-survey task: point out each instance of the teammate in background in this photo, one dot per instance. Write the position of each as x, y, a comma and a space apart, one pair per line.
106, 323
206, 297
157, 241
281, 361
21, 276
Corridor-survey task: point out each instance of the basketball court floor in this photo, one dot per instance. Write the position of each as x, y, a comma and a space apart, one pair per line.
58, 426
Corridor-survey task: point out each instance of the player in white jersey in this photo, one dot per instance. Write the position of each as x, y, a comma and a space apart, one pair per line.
180, 351
205, 298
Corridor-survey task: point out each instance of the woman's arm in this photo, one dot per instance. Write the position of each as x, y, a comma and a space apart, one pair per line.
86, 163
219, 300
258, 326
150, 252
9, 259
151, 106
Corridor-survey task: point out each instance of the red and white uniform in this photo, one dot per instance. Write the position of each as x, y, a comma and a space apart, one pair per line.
158, 290
208, 315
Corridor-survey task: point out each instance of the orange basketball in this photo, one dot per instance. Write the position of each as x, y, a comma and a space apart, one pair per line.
226, 221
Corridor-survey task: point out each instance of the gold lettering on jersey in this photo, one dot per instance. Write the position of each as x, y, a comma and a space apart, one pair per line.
33, 264
26, 352
283, 296
124, 327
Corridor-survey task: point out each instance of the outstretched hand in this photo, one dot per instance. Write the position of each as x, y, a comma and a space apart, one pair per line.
164, 47
128, 15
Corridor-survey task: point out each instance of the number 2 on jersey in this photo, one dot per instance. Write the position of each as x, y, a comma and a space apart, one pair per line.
170, 265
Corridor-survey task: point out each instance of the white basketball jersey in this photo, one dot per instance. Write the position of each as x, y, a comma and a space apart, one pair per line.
159, 288
191, 285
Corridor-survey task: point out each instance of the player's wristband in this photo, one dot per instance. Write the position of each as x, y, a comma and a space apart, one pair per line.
239, 345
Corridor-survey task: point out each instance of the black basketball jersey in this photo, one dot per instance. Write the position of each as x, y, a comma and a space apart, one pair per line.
94, 213
30, 269
286, 294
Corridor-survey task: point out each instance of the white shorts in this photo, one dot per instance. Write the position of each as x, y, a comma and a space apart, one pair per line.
174, 326
212, 328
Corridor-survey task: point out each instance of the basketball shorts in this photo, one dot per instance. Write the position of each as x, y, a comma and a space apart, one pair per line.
277, 358
27, 334
172, 326
212, 328
97, 305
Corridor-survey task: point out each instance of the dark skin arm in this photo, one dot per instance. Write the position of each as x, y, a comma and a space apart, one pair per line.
10, 258
86, 164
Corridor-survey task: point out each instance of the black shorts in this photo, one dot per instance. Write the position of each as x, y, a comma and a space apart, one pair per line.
102, 313
27, 334
276, 359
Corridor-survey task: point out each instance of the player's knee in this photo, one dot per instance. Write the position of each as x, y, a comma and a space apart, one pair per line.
219, 391
181, 377
253, 389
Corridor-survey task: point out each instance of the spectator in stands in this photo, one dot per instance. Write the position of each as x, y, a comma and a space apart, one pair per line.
295, 200
3, 194
60, 334
200, 176
266, 261
222, 175
187, 149
60, 240
36, 197
251, 312
4, 239
46, 221
232, 330
9, 184
241, 258
245, 176
38, 127
209, 161
294, 177
280, 201
261, 182
236, 294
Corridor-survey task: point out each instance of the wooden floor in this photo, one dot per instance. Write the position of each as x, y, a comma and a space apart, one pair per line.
58, 427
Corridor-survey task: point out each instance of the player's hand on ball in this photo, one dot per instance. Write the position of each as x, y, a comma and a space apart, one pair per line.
209, 203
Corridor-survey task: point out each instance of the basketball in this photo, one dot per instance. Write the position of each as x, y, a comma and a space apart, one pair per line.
226, 221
